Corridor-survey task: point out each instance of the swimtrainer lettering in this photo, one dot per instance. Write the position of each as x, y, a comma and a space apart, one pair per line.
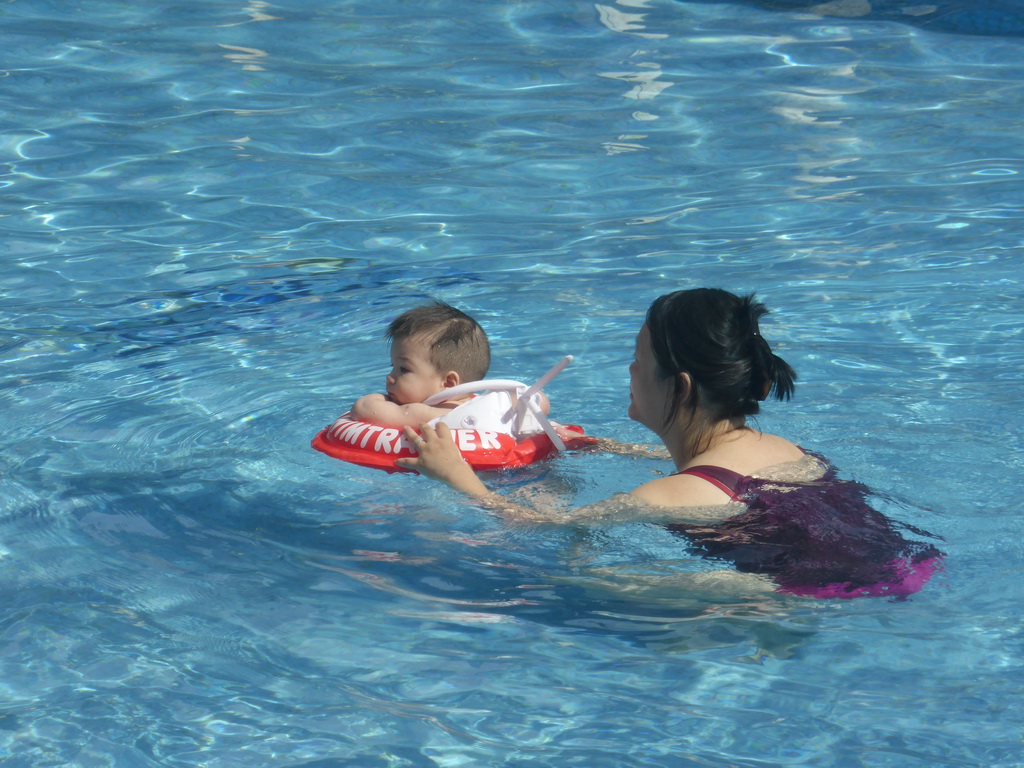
390, 441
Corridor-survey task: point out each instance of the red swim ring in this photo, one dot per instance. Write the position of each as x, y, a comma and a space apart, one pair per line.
501, 429
369, 445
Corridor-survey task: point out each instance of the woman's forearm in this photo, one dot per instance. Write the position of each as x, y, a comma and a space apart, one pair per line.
608, 445
439, 459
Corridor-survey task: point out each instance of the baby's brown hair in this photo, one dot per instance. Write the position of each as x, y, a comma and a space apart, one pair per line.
457, 342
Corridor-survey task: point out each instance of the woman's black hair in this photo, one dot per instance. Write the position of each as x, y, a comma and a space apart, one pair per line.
713, 336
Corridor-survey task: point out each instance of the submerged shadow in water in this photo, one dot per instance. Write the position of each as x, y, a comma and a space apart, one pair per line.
207, 562
1000, 18
678, 613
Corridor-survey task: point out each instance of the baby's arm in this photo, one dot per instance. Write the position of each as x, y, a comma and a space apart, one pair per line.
377, 409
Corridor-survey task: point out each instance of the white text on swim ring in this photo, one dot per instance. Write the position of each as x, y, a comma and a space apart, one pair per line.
388, 440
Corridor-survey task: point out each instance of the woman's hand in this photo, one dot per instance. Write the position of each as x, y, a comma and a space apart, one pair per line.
439, 458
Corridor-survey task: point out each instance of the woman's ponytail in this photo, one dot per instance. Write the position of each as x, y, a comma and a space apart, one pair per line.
713, 336
769, 374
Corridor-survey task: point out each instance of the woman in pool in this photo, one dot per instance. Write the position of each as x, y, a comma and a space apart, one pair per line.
701, 367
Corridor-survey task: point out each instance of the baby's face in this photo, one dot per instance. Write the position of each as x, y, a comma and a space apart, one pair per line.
413, 377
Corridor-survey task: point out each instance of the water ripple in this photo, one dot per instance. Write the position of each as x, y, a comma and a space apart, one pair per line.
213, 211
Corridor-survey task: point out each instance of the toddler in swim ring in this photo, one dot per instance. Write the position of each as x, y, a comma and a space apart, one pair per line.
433, 348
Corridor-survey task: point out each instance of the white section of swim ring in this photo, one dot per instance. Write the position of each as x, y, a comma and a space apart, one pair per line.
508, 406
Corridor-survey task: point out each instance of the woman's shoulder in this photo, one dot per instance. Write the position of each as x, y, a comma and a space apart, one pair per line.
752, 456
751, 453
808, 468
680, 490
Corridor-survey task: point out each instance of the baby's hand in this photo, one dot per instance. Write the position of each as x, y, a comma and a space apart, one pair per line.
567, 434
574, 439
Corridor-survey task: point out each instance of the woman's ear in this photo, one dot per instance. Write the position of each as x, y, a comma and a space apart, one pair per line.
685, 387
683, 391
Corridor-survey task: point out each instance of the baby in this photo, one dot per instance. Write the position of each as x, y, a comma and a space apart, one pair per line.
433, 348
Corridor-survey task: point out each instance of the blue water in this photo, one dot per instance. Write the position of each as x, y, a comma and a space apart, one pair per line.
212, 209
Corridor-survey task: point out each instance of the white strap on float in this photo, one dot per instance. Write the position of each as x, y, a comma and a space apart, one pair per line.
488, 385
544, 380
525, 402
524, 397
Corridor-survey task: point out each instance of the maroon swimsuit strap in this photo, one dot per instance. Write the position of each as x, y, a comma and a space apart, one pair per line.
731, 482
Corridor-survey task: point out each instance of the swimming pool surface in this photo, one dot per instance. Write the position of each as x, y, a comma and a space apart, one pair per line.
210, 212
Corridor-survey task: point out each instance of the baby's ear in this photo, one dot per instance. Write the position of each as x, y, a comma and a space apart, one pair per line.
452, 379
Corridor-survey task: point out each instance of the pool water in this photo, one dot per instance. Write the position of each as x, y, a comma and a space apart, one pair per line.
212, 209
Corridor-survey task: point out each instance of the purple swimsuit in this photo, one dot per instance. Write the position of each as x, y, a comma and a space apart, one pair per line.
817, 539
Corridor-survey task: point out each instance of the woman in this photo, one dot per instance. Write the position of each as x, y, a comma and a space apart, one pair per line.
701, 367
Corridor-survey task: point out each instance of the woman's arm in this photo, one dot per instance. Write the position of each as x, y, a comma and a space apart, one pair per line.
439, 458
608, 445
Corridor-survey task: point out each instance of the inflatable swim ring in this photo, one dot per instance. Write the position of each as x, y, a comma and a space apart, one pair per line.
502, 428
